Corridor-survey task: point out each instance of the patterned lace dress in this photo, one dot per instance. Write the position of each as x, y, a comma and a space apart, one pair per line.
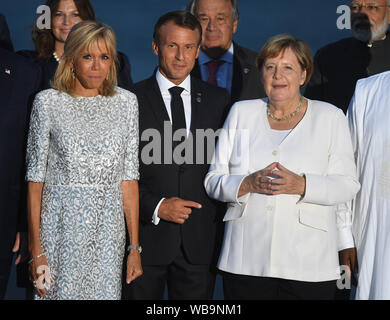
82, 149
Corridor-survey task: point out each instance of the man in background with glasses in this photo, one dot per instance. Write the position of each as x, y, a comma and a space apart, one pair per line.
337, 68
339, 65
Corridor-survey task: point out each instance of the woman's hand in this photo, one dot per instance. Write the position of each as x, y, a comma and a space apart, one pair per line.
40, 274
134, 267
258, 182
287, 182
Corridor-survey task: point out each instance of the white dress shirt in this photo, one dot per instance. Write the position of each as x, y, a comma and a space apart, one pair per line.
225, 70
284, 236
164, 85
277, 136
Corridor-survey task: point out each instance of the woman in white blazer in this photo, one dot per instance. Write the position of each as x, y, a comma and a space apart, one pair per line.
282, 165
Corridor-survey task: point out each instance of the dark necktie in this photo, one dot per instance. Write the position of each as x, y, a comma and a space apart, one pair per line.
213, 66
177, 110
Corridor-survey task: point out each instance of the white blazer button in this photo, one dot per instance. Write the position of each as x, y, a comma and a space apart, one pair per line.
275, 153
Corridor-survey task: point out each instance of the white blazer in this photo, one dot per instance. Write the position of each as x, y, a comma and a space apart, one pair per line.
284, 236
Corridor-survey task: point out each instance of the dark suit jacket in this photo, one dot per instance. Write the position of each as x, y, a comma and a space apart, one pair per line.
49, 67
339, 65
198, 235
5, 38
19, 81
246, 83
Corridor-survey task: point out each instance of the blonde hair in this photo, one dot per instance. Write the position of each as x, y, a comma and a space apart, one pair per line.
279, 44
81, 38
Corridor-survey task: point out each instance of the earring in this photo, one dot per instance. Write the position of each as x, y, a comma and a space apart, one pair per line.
107, 76
73, 76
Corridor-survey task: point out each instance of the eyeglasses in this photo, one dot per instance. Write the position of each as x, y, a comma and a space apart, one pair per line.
371, 7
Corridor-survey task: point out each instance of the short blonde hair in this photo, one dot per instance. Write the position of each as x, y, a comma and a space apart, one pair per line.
81, 38
279, 43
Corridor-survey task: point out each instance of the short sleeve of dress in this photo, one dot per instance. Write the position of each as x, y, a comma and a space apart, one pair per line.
131, 162
38, 140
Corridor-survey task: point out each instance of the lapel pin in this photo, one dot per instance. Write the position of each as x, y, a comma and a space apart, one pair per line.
7, 71
246, 70
199, 98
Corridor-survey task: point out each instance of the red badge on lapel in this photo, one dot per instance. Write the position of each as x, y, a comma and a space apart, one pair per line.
199, 97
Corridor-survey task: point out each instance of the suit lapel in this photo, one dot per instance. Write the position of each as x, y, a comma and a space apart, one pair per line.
6, 75
196, 71
237, 79
156, 102
241, 71
197, 103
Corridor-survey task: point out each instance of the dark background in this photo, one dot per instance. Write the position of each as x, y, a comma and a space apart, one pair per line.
133, 21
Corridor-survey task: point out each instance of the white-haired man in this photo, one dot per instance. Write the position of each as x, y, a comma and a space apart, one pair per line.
221, 61
339, 65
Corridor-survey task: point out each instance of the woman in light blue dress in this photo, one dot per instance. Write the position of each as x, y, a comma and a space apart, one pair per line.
82, 172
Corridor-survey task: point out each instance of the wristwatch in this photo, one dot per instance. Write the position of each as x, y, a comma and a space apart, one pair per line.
133, 246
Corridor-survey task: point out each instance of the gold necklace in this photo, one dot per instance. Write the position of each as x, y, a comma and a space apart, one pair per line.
288, 117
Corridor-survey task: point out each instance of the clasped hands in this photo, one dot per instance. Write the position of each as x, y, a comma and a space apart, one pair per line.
273, 180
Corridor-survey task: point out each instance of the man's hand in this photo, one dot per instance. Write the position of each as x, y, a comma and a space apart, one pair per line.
176, 210
21, 247
348, 257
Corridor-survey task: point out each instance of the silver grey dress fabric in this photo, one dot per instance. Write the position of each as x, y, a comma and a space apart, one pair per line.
82, 149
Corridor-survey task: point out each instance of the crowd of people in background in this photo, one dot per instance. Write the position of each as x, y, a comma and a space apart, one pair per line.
294, 187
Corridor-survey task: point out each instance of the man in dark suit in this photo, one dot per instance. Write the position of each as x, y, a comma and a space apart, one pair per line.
19, 81
221, 61
339, 65
178, 228
5, 38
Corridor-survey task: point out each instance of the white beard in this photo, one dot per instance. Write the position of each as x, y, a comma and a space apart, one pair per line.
379, 31
375, 33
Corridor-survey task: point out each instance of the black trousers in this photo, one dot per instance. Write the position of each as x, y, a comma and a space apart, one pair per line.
184, 281
240, 287
5, 268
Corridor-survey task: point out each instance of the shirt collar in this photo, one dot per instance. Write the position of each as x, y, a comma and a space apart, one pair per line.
165, 84
227, 57
370, 45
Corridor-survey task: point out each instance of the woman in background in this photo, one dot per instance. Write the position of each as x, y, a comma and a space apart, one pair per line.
49, 43
82, 172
